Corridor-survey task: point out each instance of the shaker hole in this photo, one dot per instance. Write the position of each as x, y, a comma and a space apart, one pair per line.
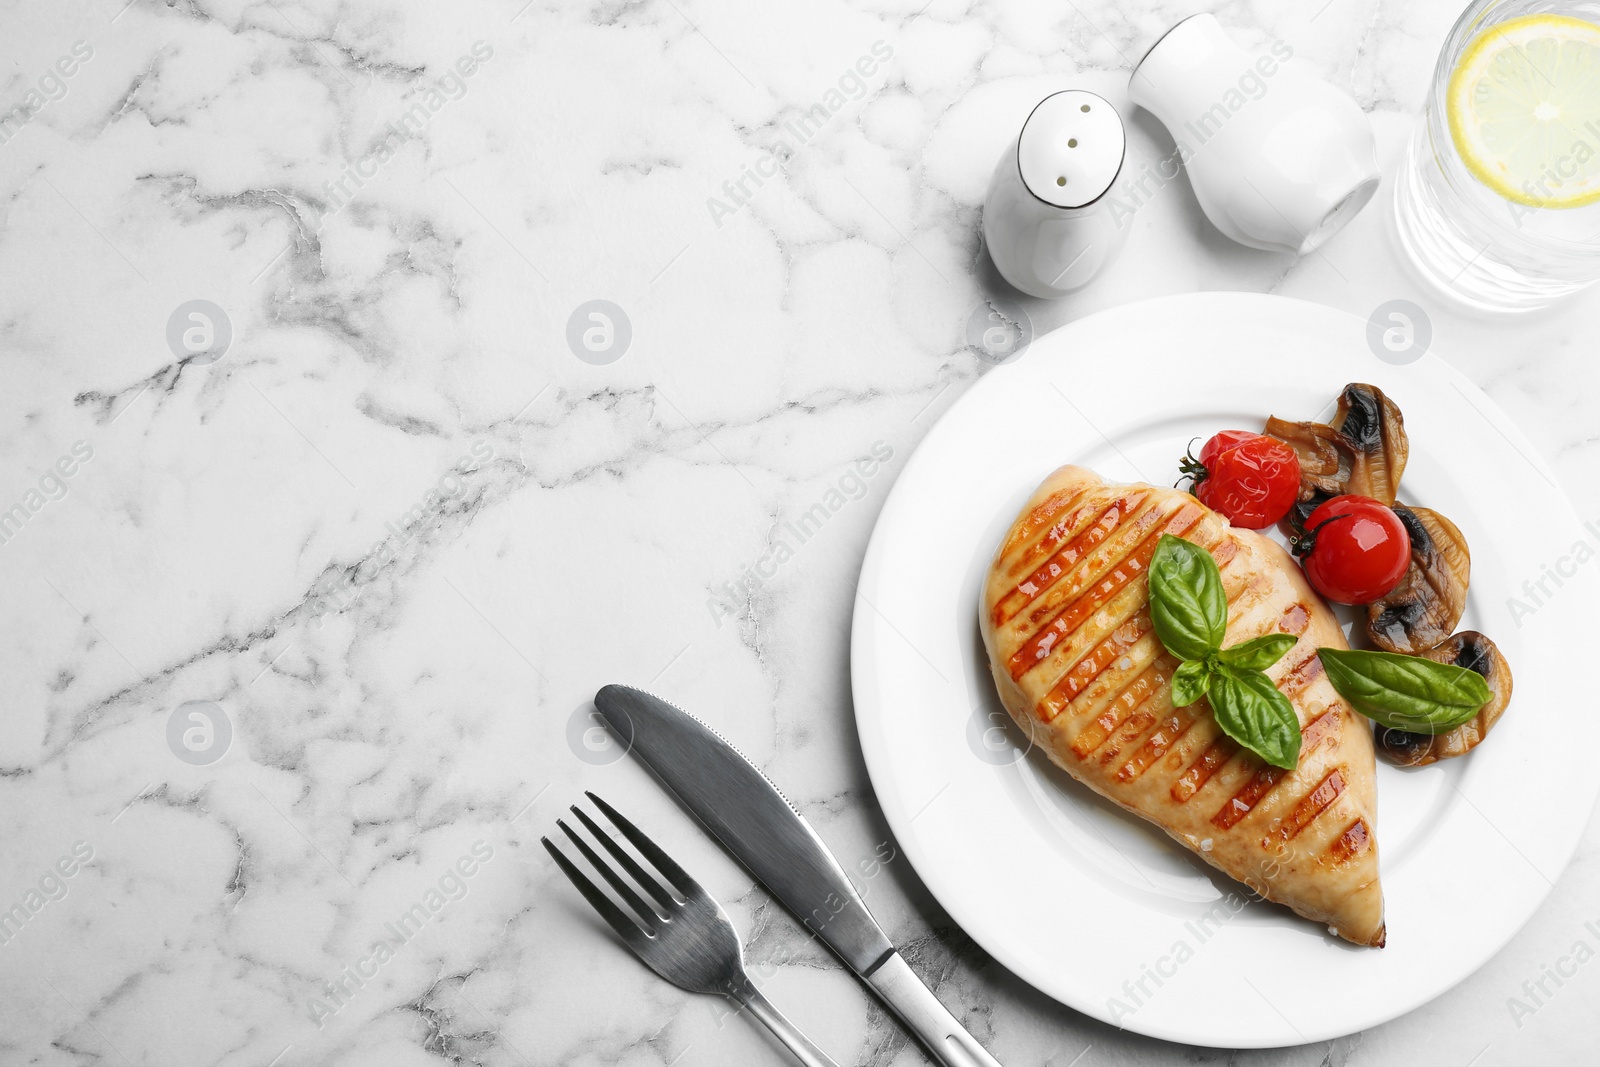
1061, 181
1072, 142
1085, 107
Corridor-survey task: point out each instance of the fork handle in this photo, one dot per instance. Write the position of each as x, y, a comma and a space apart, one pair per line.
748, 995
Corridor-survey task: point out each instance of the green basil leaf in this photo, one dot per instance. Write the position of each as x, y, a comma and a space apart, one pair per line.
1252, 711
1259, 653
1187, 605
1406, 692
1190, 682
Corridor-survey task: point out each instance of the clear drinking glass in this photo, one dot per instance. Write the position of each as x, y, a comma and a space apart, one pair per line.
1480, 246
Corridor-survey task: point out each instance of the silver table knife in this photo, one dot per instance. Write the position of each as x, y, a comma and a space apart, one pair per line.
762, 830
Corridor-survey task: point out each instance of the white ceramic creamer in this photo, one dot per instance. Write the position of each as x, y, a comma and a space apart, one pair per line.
1279, 160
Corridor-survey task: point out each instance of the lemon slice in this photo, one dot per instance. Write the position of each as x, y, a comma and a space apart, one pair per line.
1524, 109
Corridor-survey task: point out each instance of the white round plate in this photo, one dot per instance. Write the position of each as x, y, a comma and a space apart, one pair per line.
1094, 906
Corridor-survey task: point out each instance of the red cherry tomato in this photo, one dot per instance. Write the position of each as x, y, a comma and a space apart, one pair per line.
1223, 441
1250, 478
1358, 549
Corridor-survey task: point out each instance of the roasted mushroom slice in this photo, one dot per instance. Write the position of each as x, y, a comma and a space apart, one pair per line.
1363, 451
1372, 426
1325, 460
1471, 650
1425, 607
1324, 455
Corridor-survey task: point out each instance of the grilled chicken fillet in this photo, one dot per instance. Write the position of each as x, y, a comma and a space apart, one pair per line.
1065, 618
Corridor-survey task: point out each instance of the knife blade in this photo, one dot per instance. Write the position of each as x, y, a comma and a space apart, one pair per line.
761, 829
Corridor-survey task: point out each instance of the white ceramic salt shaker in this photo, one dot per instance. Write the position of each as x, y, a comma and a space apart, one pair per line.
1279, 160
1045, 223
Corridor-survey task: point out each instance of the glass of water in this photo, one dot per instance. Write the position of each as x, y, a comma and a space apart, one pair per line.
1498, 202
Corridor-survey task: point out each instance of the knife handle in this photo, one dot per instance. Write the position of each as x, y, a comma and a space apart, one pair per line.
946, 1040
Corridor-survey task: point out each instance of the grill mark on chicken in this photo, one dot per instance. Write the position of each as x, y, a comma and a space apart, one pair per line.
1083, 607
1296, 617
1312, 805
1085, 667
1100, 526
1355, 840
1124, 540
1305, 671
1039, 518
1114, 680
1223, 553
1220, 751
1244, 801
1077, 679
1294, 620
1128, 733
1172, 729
1066, 530
1095, 732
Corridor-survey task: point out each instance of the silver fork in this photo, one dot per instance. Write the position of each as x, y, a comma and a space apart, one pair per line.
689, 942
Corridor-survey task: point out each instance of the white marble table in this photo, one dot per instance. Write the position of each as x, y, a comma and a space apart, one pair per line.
399, 533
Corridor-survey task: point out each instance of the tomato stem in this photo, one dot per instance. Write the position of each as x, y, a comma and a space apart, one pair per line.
1192, 468
1301, 546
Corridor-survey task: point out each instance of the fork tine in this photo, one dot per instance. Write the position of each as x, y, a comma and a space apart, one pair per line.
647, 915
651, 851
625, 927
631, 865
